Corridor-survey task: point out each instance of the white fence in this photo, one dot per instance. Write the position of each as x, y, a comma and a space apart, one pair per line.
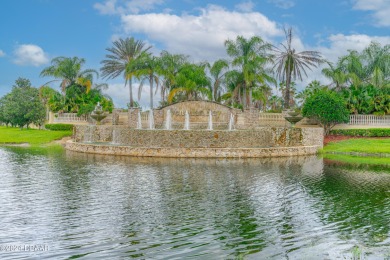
369, 120
69, 117
264, 118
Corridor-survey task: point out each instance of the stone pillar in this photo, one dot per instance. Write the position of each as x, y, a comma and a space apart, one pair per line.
158, 115
51, 117
133, 117
115, 116
252, 118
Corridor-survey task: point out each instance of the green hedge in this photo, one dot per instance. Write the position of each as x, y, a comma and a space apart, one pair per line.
59, 127
372, 132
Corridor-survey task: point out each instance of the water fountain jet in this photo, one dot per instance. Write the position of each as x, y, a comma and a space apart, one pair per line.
187, 121
231, 122
168, 121
210, 125
139, 121
151, 119
114, 136
88, 134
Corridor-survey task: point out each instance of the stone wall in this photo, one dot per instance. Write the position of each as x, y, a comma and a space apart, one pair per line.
198, 112
254, 138
191, 152
199, 116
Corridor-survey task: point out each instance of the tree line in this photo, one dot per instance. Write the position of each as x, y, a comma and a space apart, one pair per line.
245, 80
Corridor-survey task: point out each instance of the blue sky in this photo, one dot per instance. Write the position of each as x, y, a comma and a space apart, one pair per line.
32, 32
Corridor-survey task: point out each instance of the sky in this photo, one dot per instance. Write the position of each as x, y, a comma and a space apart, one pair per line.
32, 32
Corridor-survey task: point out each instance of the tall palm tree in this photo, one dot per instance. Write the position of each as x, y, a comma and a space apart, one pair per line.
377, 59
145, 68
352, 64
290, 64
120, 57
234, 81
337, 75
292, 89
250, 56
218, 71
275, 103
69, 71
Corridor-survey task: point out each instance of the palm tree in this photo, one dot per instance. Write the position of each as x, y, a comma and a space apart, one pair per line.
377, 60
145, 67
120, 57
69, 71
313, 87
275, 103
218, 71
191, 82
337, 75
169, 67
250, 55
290, 64
292, 90
234, 81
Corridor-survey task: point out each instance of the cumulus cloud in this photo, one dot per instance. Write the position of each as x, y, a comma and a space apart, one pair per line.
30, 54
337, 46
245, 6
108, 7
2, 53
125, 7
284, 4
379, 8
120, 95
200, 36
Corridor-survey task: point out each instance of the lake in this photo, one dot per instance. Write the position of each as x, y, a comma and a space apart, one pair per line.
63, 205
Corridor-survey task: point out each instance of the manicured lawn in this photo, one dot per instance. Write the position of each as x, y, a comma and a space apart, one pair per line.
32, 136
358, 160
364, 145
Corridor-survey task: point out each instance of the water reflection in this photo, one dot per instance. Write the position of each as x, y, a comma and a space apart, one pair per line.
120, 207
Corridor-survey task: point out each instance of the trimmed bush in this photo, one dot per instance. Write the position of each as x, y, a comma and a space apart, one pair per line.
327, 107
372, 132
59, 127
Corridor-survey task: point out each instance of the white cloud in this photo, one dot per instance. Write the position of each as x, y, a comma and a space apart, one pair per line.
245, 6
125, 7
284, 4
108, 7
30, 54
380, 9
120, 95
338, 45
135, 6
2, 53
200, 36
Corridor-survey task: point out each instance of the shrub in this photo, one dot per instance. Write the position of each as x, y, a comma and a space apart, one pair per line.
372, 132
59, 127
327, 108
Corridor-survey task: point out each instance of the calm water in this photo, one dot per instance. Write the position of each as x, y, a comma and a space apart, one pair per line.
102, 207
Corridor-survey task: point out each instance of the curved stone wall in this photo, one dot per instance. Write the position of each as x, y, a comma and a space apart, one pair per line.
191, 152
262, 142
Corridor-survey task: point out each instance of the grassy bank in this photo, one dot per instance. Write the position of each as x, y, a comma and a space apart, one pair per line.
358, 160
34, 137
346, 151
364, 145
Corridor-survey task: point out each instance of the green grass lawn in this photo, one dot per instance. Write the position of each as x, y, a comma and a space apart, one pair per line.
12, 135
360, 146
359, 160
